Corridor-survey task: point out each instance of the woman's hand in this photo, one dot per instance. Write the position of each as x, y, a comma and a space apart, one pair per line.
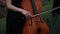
27, 14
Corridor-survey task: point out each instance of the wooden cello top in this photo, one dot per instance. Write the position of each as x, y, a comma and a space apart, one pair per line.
27, 5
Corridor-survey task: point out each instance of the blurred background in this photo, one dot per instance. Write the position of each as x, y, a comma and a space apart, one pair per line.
52, 20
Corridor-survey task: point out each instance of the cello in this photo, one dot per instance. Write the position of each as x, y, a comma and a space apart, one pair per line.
35, 25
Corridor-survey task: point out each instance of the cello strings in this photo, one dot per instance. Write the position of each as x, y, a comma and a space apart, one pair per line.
45, 12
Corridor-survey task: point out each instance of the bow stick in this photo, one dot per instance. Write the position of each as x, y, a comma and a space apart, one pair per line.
45, 12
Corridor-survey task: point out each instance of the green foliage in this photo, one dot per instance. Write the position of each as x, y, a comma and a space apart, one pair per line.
3, 26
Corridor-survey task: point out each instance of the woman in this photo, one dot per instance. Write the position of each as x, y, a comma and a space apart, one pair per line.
16, 17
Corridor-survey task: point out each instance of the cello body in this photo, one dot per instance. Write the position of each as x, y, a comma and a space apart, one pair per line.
35, 25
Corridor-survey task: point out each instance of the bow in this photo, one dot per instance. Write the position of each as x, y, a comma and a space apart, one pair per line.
45, 12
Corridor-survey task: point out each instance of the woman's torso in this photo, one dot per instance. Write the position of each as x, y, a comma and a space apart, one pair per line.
16, 3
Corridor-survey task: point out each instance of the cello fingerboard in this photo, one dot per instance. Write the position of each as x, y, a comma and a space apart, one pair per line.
34, 7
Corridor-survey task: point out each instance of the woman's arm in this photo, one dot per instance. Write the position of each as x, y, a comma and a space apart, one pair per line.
12, 7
